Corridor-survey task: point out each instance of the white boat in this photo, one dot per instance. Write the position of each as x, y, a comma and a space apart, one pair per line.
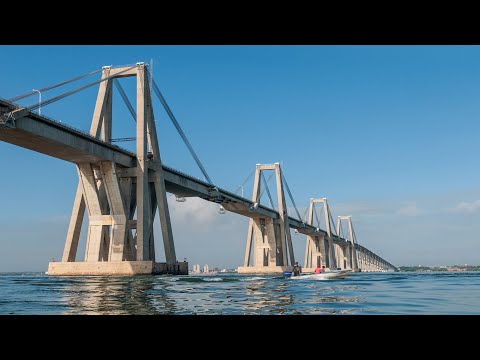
328, 275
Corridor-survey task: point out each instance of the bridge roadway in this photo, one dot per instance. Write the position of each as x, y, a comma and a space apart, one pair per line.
47, 136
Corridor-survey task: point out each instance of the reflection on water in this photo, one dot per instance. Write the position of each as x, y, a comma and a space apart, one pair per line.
262, 298
363, 293
115, 295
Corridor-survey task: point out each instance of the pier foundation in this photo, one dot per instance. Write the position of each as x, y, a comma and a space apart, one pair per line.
122, 268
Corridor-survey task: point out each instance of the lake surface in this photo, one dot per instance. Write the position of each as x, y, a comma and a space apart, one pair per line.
233, 294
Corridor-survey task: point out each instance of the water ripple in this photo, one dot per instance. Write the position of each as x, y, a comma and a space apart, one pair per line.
361, 293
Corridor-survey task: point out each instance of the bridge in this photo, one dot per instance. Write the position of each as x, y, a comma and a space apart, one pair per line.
122, 191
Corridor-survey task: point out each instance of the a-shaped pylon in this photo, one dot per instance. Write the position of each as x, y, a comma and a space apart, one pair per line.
121, 202
319, 249
270, 238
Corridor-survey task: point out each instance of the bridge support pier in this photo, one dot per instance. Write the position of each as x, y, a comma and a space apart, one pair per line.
270, 237
349, 250
315, 252
321, 252
343, 256
118, 244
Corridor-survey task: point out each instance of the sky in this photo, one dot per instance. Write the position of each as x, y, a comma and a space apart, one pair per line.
389, 134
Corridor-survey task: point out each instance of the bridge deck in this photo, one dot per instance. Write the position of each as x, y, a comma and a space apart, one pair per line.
47, 136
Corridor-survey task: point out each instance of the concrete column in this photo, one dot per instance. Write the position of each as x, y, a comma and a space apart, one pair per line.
105, 209
309, 246
153, 209
285, 236
107, 113
159, 183
353, 244
348, 255
322, 249
259, 245
271, 241
117, 209
143, 193
333, 262
103, 101
75, 226
248, 249
90, 194
251, 222
128, 196
339, 256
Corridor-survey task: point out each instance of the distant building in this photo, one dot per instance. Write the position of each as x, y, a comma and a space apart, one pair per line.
205, 268
196, 269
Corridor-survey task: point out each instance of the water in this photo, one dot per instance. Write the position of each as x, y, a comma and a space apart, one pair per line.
361, 293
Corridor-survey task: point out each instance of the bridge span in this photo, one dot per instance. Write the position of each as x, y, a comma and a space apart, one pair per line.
122, 191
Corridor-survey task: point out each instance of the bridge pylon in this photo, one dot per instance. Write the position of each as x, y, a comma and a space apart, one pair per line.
270, 237
319, 249
121, 202
348, 253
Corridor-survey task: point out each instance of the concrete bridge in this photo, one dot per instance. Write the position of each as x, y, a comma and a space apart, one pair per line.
122, 191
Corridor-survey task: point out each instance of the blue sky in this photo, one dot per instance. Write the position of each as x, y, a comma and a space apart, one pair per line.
389, 134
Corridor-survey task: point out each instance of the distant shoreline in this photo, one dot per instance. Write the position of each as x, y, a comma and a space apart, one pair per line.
440, 268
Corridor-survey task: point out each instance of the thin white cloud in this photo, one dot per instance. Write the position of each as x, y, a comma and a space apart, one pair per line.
360, 208
467, 207
410, 209
193, 210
